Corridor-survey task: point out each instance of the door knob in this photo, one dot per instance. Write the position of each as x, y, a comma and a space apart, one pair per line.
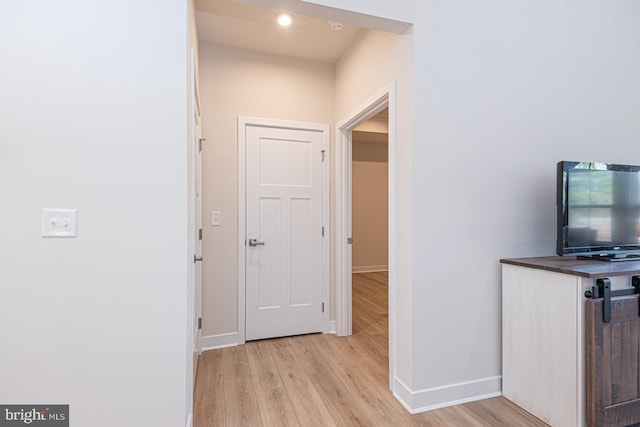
254, 242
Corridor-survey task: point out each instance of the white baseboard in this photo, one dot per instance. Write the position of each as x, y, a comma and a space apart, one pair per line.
449, 395
212, 342
402, 393
369, 268
190, 420
332, 327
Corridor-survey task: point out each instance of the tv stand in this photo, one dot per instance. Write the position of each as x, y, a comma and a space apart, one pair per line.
543, 339
611, 258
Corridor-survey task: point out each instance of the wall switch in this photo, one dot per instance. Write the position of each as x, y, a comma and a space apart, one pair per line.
59, 222
215, 218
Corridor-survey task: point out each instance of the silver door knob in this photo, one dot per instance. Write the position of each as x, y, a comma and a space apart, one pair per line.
254, 242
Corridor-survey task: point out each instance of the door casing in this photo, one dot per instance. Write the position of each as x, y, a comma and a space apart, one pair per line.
243, 122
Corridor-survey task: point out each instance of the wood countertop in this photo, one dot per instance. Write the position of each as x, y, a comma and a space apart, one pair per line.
578, 267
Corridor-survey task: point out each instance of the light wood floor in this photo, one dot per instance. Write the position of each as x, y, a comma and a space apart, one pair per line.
325, 380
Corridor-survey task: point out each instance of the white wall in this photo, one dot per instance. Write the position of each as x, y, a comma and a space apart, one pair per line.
93, 107
236, 82
501, 92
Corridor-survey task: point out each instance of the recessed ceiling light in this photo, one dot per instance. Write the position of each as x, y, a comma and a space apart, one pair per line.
284, 19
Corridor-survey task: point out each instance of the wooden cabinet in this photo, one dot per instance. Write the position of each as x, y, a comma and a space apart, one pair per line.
543, 332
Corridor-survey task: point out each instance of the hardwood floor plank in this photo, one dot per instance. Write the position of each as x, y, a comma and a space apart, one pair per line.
262, 366
307, 404
240, 403
371, 397
324, 380
451, 416
499, 412
309, 359
209, 390
341, 403
275, 408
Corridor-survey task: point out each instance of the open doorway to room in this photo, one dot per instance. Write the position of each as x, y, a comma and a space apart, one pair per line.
370, 236
365, 272
369, 183
369, 216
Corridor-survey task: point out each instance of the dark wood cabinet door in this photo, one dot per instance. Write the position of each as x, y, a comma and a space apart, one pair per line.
613, 361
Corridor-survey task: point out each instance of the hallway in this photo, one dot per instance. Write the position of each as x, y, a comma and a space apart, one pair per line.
325, 380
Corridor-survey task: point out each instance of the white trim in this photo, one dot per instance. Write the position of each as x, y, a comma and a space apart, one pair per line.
449, 395
190, 419
393, 243
242, 207
326, 221
213, 342
343, 254
402, 393
369, 268
332, 327
243, 122
386, 97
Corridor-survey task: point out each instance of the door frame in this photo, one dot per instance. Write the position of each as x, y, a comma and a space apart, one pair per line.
384, 98
243, 122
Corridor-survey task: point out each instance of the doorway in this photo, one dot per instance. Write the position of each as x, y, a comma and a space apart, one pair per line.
369, 195
384, 99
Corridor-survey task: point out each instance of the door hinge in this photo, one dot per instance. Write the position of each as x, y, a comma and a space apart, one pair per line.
200, 141
349, 240
323, 154
200, 234
323, 307
199, 322
323, 231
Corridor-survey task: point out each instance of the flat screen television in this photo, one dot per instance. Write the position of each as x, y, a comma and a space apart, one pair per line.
598, 208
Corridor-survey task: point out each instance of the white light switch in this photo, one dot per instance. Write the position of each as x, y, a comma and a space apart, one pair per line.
59, 222
215, 218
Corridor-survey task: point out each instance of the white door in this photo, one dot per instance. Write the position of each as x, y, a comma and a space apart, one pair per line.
198, 241
196, 207
284, 231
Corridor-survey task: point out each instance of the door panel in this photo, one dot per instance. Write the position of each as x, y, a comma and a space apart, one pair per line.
269, 258
284, 215
301, 251
613, 360
299, 166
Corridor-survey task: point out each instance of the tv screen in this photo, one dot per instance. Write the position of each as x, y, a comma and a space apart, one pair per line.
598, 209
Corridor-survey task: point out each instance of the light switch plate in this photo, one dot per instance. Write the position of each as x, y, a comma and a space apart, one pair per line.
215, 218
59, 222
